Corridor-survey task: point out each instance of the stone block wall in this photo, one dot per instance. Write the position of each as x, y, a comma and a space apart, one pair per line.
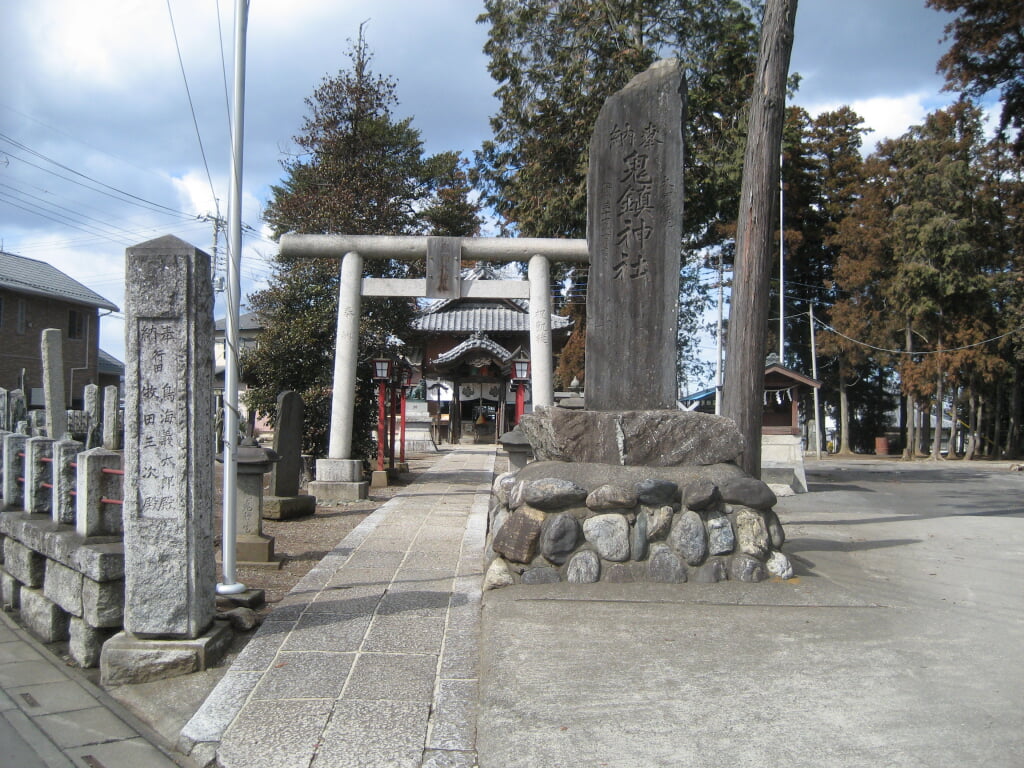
61, 549
582, 523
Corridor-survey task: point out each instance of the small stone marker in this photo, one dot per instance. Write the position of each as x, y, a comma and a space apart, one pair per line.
17, 408
111, 418
168, 503
284, 501
53, 384
94, 412
634, 231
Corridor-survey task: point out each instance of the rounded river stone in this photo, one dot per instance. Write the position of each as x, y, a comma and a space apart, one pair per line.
721, 539
748, 491
502, 485
611, 497
747, 568
775, 530
584, 568
658, 521
638, 538
610, 536
701, 494
558, 537
498, 575
688, 537
655, 492
665, 566
542, 575
778, 565
751, 533
552, 493
712, 572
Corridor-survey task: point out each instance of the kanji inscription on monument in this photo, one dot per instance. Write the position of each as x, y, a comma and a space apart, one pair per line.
634, 234
168, 500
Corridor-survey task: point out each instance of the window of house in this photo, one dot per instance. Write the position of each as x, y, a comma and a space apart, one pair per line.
1, 311
76, 324
19, 318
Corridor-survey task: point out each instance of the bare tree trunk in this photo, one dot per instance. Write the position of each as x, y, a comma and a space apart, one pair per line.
910, 449
972, 426
954, 425
1013, 424
997, 422
939, 410
748, 322
844, 416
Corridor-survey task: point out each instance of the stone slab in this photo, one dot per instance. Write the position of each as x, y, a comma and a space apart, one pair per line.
328, 492
288, 507
130, 659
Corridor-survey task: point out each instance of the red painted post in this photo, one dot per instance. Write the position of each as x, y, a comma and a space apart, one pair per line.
391, 432
520, 400
381, 416
401, 450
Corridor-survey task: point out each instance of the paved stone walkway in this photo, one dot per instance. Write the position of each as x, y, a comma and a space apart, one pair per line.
51, 717
372, 659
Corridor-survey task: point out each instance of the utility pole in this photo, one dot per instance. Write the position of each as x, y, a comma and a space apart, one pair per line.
230, 586
814, 375
718, 345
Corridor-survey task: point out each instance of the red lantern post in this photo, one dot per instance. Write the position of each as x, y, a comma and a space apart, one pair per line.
381, 374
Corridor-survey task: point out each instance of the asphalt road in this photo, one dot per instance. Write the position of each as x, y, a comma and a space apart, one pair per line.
899, 644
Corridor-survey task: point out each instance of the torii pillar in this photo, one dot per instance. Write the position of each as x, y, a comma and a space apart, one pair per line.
339, 476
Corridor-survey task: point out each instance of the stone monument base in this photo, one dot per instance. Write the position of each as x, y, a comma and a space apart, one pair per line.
254, 548
339, 480
288, 507
332, 491
127, 659
626, 496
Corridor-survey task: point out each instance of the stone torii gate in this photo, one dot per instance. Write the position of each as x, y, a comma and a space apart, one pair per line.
339, 476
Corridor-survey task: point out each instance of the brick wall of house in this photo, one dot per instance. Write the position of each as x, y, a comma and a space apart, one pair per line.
19, 347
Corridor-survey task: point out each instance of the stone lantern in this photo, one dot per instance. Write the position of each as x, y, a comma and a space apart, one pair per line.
254, 462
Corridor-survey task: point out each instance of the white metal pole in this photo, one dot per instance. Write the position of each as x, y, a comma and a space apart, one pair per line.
814, 373
782, 283
718, 344
230, 585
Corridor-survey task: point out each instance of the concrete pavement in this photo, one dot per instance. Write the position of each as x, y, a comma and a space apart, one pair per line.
898, 644
52, 717
371, 660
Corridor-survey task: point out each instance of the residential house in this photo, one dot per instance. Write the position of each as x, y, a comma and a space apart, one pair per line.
35, 296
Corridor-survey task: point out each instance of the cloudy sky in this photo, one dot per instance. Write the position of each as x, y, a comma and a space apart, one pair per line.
99, 147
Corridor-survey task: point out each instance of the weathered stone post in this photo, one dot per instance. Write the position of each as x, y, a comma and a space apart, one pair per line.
17, 408
93, 515
64, 480
14, 469
111, 418
169, 565
93, 410
53, 384
284, 501
5, 422
38, 475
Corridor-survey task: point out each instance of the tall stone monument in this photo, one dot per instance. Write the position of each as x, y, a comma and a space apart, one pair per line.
632, 488
53, 383
168, 458
634, 234
285, 501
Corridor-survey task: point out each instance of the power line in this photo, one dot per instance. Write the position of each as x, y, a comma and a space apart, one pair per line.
192, 109
131, 199
827, 327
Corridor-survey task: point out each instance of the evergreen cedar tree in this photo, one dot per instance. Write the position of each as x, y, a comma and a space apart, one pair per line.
359, 170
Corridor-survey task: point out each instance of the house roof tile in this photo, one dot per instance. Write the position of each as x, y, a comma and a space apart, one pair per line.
21, 275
